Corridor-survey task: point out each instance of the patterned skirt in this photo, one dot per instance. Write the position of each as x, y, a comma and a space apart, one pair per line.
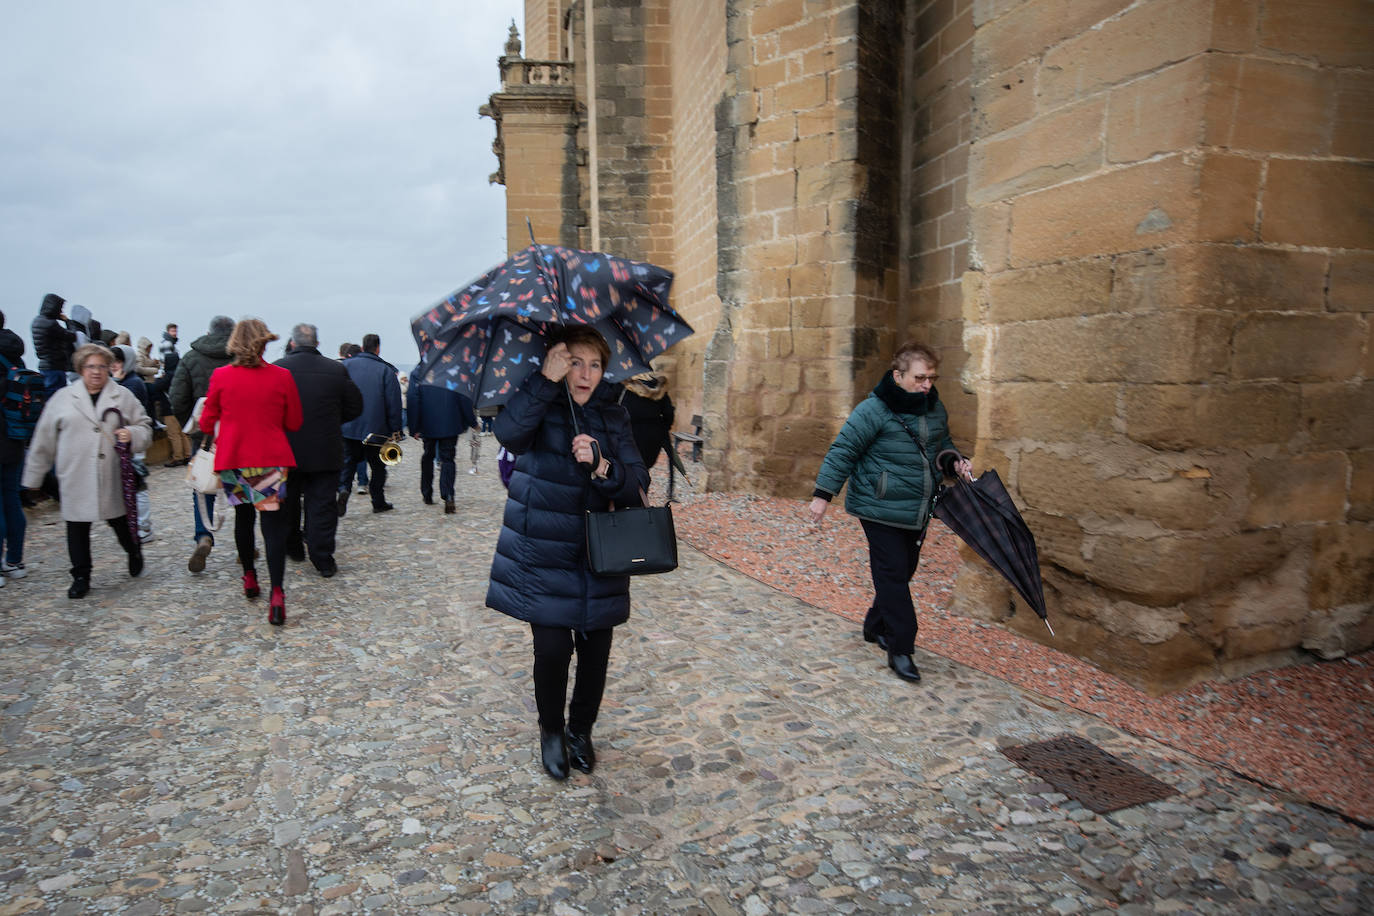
256, 487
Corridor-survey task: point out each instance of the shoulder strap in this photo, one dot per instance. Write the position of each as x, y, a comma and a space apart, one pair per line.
914, 438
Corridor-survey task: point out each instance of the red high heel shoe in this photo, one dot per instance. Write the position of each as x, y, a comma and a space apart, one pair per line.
276, 613
250, 584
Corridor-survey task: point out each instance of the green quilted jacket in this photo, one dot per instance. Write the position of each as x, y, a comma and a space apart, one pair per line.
891, 480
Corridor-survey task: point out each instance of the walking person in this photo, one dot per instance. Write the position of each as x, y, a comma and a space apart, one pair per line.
77, 431
645, 397
891, 451
437, 417
13, 523
381, 417
190, 383
249, 408
540, 573
329, 398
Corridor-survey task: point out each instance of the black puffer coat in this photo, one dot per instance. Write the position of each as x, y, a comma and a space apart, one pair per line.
540, 570
53, 344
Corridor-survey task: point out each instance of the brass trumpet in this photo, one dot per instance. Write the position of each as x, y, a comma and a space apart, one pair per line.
389, 450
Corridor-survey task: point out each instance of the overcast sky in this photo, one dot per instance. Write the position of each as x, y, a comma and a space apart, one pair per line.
309, 160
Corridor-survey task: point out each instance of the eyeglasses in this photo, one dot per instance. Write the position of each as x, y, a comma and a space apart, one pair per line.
924, 378
95, 367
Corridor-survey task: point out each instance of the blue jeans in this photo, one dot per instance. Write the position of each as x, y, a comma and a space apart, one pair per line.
53, 380
12, 520
208, 512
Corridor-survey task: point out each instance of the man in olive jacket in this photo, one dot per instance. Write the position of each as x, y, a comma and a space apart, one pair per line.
329, 398
189, 384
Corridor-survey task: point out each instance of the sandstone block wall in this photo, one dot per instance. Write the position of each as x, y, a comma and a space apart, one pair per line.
807, 199
1170, 323
937, 127
1137, 230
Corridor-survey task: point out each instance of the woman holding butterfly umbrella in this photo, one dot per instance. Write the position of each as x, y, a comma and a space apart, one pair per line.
574, 453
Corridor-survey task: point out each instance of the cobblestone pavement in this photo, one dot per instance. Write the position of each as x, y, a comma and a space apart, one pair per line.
164, 750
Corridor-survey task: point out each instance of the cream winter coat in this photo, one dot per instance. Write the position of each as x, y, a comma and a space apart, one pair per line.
70, 435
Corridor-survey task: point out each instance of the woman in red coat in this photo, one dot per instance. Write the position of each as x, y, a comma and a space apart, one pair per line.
254, 405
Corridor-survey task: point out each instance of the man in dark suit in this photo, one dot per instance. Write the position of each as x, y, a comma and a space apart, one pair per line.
381, 387
328, 400
438, 417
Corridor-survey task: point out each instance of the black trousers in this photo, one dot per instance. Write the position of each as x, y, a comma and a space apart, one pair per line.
355, 451
553, 651
274, 528
315, 492
79, 543
893, 554
448, 471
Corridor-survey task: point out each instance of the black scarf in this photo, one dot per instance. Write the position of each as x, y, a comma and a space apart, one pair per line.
900, 400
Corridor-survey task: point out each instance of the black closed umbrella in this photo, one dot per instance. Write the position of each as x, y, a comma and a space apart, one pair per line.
982, 514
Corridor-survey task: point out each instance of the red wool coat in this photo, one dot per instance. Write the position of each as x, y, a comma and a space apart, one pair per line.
254, 407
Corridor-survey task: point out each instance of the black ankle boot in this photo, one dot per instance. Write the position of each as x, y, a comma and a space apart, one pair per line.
904, 667
136, 561
581, 754
80, 586
555, 753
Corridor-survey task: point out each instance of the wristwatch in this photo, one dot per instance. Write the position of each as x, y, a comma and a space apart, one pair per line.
597, 472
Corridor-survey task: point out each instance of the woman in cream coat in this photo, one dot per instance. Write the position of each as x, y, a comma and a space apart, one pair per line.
74, 433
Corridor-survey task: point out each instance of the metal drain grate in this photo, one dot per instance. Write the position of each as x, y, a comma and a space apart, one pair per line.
1088, 774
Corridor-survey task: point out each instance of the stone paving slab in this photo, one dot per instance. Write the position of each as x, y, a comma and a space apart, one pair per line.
165, 751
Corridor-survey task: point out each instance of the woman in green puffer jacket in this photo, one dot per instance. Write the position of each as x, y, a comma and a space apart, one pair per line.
892, 450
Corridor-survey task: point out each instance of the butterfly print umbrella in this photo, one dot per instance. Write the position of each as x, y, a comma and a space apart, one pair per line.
486, 337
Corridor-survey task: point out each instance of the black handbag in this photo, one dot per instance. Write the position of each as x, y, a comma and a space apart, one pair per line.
634, 541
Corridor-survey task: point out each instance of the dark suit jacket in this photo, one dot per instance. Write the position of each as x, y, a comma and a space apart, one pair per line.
328, 400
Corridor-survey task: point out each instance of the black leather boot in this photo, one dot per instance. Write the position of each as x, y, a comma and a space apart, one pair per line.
136, 561
80, 586
875, 636
581, 754
554, 751
904, 667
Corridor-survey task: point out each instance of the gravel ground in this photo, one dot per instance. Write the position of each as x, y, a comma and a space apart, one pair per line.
1304, 728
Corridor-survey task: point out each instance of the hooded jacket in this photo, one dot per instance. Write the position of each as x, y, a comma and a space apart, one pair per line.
539, 573
891, 478
192, 378
53, 342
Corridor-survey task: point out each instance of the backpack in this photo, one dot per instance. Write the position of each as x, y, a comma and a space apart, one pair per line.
25, 394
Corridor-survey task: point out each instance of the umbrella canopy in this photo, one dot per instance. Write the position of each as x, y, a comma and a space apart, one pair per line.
128, 475
485, 338
982, 514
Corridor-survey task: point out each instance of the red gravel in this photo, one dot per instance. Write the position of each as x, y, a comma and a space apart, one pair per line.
1305, 728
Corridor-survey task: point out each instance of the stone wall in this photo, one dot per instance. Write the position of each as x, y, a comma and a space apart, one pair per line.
1138, 232
633, 154
697, 59
935, 250
803, 310
1170, 324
